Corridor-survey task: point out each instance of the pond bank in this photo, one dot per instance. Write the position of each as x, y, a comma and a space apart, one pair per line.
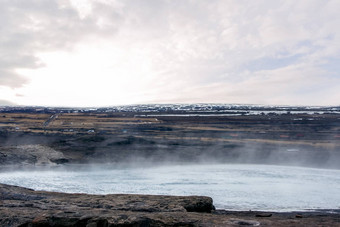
26, 207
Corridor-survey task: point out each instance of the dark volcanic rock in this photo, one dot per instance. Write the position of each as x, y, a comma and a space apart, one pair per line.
25, 207
28, 155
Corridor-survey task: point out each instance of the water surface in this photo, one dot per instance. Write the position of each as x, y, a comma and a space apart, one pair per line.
233, 187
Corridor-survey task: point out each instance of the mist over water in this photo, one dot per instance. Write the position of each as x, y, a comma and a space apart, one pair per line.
232, 186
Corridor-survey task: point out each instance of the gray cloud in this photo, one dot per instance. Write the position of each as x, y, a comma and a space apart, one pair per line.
6, 103
28, 27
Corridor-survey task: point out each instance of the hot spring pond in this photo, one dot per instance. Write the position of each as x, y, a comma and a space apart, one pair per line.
232, 187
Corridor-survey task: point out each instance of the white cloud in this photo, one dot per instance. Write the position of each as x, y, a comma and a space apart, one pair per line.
270, 52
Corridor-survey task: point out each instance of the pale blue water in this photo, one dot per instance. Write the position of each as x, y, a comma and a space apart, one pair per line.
233, 187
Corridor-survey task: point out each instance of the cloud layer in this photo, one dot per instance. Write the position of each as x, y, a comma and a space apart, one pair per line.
265, 52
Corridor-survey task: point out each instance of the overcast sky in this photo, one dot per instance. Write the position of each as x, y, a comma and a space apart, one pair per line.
106, 52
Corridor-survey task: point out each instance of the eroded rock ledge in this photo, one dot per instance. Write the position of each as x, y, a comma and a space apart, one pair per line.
26, 207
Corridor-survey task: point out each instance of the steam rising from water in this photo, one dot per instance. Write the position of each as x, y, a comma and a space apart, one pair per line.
233, 187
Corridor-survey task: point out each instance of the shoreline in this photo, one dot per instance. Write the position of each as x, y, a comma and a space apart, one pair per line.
26, 207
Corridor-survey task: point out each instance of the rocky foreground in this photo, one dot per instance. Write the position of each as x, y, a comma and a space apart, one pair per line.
25, 207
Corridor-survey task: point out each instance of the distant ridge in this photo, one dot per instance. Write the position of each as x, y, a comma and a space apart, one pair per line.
199, 108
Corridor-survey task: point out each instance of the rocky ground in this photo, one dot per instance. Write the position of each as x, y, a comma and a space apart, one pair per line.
36, 138
25, 207
122, 137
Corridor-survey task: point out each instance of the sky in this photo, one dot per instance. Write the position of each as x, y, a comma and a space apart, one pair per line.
86, 53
